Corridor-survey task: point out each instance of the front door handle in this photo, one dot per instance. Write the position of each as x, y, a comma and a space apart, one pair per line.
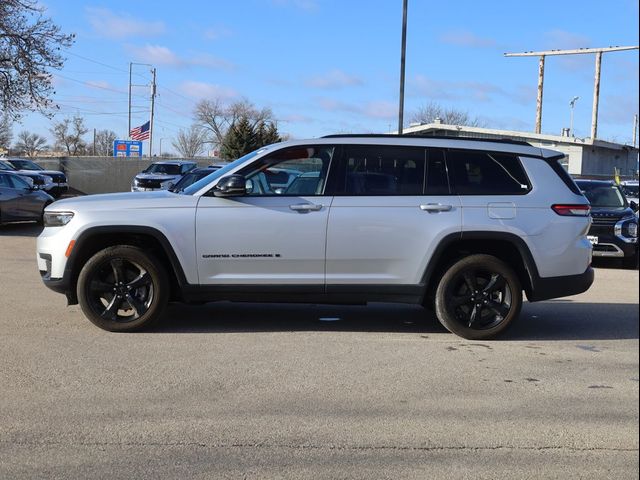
305, 207
436, 207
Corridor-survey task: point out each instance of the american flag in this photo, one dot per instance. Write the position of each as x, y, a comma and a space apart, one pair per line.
140, 133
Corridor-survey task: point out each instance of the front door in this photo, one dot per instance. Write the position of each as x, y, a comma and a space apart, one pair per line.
276, 233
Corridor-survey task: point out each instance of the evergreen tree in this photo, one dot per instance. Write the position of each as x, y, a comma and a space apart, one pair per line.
267, 134
241, 138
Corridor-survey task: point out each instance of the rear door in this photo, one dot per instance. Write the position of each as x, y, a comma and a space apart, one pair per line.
392, 207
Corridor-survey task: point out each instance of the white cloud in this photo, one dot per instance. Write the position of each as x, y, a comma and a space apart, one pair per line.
374, 109
452, 90
465, 38
199, 90
156, 55
333, 80
121, 25
160, 55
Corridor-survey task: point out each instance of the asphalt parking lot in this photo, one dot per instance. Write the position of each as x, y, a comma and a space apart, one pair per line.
271, 391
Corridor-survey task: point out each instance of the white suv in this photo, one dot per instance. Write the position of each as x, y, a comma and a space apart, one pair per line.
463, 225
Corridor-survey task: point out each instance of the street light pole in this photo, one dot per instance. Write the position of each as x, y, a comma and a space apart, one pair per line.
160, 154
572, 103
402, 64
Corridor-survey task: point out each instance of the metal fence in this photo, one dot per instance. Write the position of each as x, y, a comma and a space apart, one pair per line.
102, 174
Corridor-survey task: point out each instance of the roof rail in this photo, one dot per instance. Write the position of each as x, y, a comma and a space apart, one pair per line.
442, 137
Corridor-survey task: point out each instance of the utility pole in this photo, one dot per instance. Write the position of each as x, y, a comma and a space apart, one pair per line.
153, 96
635, 130
596, 87
129, 129
94, 142
402, 65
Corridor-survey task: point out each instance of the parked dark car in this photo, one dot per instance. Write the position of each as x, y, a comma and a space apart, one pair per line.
614, 231
39, 181
193, 176
20, 201
60, 183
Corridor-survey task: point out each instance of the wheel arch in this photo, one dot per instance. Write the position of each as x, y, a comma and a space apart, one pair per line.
94, 239
503, 245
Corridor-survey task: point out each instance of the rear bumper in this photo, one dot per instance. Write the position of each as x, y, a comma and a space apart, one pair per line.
555, 287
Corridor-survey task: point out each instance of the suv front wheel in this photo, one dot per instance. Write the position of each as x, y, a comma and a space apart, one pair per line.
478, 297
122, 289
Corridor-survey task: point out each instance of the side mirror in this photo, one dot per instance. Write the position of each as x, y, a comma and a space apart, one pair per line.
633, 205
231, 186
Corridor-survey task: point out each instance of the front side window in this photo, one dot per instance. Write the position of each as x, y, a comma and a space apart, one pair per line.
487, 173
294, 171
383, 170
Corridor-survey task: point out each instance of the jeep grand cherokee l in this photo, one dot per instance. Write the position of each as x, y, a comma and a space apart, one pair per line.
463, 225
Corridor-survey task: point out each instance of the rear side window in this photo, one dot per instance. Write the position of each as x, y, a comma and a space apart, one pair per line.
382, 170
487, 173
437, 175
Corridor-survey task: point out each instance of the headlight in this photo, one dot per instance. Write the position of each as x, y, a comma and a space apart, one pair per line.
134, 182
47, 179
627, 229
56, 219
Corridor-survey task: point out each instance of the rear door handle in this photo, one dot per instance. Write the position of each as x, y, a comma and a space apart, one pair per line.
305, 207
436, 207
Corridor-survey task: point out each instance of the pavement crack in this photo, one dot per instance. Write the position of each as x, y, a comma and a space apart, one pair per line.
308, 446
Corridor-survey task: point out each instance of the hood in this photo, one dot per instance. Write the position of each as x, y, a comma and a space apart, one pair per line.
124, 201
156, 176
611, 212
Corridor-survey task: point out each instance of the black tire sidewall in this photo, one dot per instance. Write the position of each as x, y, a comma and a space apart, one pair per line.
132, 254
445, 313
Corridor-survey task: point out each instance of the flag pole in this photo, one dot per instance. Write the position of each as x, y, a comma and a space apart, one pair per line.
153, 95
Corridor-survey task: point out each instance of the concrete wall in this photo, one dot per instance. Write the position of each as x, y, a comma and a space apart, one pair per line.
102, 174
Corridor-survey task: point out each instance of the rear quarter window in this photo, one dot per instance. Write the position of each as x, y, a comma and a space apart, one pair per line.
487, 173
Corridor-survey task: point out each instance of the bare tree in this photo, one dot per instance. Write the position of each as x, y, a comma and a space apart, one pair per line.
29, 48
68, 135
428, 113
103, 145
216, 117
190, 143
30, 144
6, 133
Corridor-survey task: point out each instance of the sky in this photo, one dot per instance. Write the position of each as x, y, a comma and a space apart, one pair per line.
329, 66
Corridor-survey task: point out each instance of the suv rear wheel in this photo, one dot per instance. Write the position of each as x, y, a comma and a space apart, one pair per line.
478, 297
122, 289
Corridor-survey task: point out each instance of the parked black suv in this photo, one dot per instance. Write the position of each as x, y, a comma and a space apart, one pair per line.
614, 231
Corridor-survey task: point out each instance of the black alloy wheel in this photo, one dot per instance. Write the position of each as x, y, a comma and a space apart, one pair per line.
478, 297
122, 288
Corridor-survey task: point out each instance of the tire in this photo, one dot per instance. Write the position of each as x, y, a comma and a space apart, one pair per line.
123, 289
478, 297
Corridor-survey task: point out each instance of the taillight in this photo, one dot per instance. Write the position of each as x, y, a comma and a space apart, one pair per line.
572, 210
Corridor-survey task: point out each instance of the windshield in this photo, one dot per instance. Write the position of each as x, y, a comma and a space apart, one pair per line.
220, 173
26, 165
601, 195
5, 166
163, 168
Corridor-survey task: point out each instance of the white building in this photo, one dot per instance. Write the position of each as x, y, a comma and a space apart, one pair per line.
585, 157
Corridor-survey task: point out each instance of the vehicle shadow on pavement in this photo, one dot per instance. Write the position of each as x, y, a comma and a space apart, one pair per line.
552, 320
22, 229
229, 317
